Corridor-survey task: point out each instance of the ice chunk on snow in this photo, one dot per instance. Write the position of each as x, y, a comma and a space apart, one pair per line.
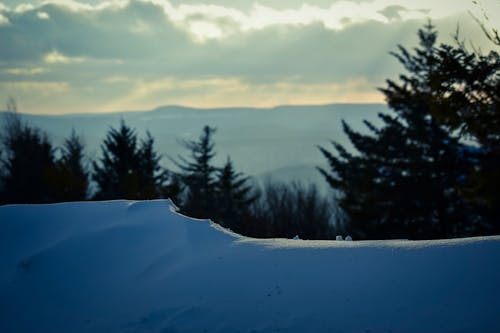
348, 238
296, 237
339, 238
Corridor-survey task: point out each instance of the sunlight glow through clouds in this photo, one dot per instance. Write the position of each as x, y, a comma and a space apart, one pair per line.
4, 20
60, 55
25, 71
43, 88
43, 15
203, 30
337, 16
203, 21
24, 7
83, 6
55, 57
228, 92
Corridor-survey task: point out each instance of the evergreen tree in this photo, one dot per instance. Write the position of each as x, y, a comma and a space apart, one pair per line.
131, 170
153, 177
468, 84
116, 174
70, 179
27, 162
198, 176
234, 197
402, 182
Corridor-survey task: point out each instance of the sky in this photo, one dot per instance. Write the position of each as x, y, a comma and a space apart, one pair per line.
67, 56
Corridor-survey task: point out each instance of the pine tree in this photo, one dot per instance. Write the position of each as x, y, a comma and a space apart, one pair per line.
70, 178
28, 161
468, 84
234, 196
132, 170
116, 174
402, 182
198, 175
153, 177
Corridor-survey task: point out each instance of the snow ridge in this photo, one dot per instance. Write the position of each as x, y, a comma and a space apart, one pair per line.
125, 266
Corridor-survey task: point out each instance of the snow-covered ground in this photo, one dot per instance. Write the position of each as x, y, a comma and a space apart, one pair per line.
123, 266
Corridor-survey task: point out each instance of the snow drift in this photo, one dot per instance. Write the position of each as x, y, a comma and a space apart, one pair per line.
124, 266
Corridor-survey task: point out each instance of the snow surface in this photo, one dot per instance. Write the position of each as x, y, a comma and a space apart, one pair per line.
123, 266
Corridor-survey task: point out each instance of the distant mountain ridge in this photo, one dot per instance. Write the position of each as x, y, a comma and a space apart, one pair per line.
261, 141
180, 108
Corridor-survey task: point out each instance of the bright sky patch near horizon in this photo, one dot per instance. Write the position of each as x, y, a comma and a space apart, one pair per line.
67, 56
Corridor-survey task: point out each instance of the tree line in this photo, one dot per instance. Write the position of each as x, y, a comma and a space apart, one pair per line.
431, 170
35, 171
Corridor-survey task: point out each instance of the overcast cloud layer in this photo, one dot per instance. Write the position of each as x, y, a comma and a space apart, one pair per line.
66, 56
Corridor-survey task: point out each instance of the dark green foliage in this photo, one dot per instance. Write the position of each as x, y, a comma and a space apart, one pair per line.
198, 176
403, 181
234, 195
70, 178
27, 162
289, 210
154, 179
150, 168
128, 170
468, 84
117, 173
469, 90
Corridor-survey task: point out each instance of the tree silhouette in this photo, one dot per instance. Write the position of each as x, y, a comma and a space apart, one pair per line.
234, 196
198, 176
468, 84
116, 174
27, 162
154, 179
402, 182
131, 170
70, 178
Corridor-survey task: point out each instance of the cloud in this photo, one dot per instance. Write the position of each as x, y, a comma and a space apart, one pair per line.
43, 15
25, 71
55, 57
42, 97
393, 12
225, 92
334, 15
4, 20
138, 54
205, 22
140, 27
77, 6
24, 7
116, 79
42, 88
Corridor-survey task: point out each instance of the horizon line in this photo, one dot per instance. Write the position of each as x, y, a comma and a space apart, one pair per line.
158, 108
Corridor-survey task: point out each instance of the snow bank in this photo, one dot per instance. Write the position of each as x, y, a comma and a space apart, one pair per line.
123, 266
